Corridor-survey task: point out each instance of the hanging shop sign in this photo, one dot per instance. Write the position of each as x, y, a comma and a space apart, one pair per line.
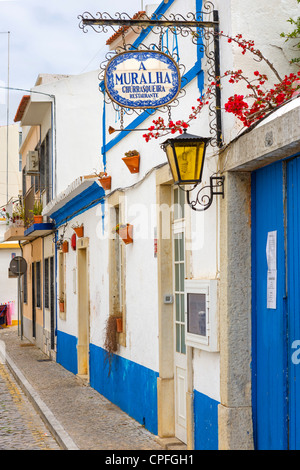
142, 79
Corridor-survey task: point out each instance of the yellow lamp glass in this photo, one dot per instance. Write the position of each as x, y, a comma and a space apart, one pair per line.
186, 158
189, 160
172, 162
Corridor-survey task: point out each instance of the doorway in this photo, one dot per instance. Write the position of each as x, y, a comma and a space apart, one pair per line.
276, 308
33, 300
83, 347
180, 357
52, 304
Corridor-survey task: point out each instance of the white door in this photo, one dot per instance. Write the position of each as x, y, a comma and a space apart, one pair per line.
180, 361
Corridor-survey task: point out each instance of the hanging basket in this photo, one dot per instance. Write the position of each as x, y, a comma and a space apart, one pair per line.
132, 163
125, 232
105, 182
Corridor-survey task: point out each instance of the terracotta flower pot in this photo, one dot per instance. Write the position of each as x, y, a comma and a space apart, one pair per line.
119, 322
65, 247
79, 231
125, 232
38, 219
61, 306
133, 163
105, 182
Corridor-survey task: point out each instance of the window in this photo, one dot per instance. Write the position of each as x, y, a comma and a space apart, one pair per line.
38, 284
46, 167
179, 268
119, 263
20, 155
196, 314
52, 305
61, 284
46, 282
202, 329
117, 289
24, 181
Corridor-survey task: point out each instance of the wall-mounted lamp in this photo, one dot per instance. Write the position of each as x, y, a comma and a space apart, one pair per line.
186, 155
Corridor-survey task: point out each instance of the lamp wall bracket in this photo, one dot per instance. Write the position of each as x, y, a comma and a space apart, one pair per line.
204, 197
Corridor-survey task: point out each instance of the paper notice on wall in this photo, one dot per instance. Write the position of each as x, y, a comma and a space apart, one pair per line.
271, 289
271, 251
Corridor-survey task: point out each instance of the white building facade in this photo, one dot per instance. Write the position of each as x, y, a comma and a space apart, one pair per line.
176, 379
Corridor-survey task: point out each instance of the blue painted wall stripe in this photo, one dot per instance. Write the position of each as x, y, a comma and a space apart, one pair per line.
161, 10
206, 422
89, 198
130, 386
67, 351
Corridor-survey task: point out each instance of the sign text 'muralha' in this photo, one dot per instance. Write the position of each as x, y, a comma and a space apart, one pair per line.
136, 78
142, 79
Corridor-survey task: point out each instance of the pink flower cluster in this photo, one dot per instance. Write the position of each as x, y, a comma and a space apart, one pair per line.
247, 108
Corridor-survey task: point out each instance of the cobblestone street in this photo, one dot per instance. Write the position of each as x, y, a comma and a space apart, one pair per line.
21, 428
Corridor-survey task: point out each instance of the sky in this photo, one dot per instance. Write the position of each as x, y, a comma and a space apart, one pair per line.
44, 37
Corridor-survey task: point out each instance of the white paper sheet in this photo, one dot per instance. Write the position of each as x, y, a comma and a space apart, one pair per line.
271, 251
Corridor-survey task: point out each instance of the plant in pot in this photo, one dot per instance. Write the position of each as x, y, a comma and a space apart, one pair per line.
119, 324
18, 214
78, 229
61, 302
37, 212
132, 160
125, 232
105, 180
65, 246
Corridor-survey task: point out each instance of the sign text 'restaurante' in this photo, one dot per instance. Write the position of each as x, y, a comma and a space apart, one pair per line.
142, 79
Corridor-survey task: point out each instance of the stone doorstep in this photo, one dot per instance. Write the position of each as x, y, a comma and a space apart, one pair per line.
171, 443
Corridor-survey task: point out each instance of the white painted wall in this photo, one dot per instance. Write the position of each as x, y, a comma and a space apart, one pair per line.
78, 151
77, 126
141, 280
262, 21
8, 286
12, 158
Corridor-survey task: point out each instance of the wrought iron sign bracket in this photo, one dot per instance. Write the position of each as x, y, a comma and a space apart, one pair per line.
202, 26
104, 22
203, 201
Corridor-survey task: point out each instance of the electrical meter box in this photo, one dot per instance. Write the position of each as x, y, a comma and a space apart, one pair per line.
201, 309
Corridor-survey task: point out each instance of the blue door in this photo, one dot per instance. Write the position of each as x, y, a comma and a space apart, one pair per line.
275, 326
293, 276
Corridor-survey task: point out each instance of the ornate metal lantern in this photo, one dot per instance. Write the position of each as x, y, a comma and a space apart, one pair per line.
186, 155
